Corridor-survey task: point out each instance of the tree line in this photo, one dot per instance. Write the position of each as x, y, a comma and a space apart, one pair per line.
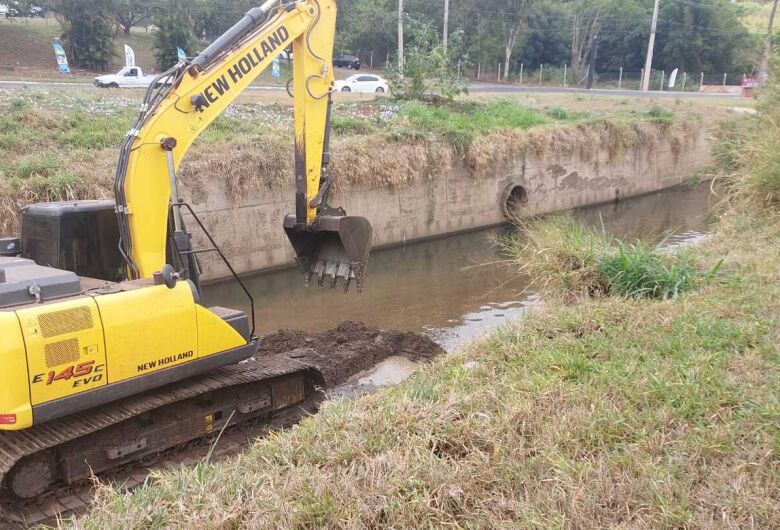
693, 35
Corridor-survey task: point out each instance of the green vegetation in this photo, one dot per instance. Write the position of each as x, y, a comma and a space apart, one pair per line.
459, 123
569, 259
749, 153
703, 36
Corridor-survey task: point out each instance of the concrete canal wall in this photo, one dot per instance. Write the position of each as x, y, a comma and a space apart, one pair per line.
551, 171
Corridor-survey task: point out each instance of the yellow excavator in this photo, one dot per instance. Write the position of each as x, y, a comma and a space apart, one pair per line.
107, 354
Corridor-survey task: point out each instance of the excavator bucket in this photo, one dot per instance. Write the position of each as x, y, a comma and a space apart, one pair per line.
335, 247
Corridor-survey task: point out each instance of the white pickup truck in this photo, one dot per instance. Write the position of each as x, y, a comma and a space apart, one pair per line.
127, 77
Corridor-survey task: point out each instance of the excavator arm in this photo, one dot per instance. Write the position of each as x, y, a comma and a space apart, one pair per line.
185, 100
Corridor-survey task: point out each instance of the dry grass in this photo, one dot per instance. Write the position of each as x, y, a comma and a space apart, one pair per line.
501, 148
609, 413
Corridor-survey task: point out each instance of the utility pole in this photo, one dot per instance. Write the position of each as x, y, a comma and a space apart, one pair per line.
650, 49
401, 37
446, 23
769, 40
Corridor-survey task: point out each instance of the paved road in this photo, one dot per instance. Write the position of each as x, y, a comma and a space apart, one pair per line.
475, 87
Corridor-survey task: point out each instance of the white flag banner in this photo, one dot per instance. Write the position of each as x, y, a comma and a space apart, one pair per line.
129, 56
673, 78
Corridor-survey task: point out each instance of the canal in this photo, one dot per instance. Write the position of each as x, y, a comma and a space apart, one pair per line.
455, 288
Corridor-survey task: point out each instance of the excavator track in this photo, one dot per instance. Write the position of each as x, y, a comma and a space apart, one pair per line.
53, 455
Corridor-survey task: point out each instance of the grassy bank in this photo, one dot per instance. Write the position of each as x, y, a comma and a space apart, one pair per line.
607, 412
610, 407
61, 145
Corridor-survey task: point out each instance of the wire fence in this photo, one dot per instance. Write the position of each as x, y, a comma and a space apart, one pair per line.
564, 76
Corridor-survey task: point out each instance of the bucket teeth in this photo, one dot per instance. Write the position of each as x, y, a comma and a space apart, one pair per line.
336, 247
335, 271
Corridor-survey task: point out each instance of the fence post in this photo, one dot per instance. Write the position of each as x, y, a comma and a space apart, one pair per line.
499, 72
663, 78
565, 71
541, 73
521, 73
641, 77
685, 80
372, 59
724, 78
620, 79
479, 70
587, 72
701, 81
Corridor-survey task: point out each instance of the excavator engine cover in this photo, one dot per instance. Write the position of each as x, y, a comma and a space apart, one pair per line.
334, 247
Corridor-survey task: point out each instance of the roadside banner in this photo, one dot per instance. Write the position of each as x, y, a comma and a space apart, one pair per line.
673, 77
276, 68
182, 54
62, 59
129, 56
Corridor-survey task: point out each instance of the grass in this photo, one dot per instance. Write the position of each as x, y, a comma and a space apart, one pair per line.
607, 413
749, 154
568, 259
459, 123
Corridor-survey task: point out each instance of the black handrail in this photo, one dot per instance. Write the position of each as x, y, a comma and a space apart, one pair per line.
182, 204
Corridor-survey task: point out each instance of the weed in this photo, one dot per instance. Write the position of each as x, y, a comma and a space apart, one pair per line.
558, 113
637, 270
44, 166
345, 125
661, 115
567, 258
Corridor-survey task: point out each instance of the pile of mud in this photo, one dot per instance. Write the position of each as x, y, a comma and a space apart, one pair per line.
348, 349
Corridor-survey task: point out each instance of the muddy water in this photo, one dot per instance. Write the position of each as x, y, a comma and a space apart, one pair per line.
452, 289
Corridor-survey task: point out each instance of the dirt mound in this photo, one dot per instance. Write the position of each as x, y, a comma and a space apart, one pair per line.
348, 349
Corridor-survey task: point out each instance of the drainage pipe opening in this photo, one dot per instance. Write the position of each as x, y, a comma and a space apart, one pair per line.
514, 200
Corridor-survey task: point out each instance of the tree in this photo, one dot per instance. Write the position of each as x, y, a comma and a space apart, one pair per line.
129, 13
174, 31
704, 36
586, 23
428, 65
367, 25
87, 31
511, 17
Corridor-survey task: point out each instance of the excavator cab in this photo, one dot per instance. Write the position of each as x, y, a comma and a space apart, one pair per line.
334, 247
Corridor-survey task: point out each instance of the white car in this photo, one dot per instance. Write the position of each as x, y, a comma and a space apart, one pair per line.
127, 77
3, 10
362, 83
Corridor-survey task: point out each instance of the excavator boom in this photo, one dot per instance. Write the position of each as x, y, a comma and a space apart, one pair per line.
326, 241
